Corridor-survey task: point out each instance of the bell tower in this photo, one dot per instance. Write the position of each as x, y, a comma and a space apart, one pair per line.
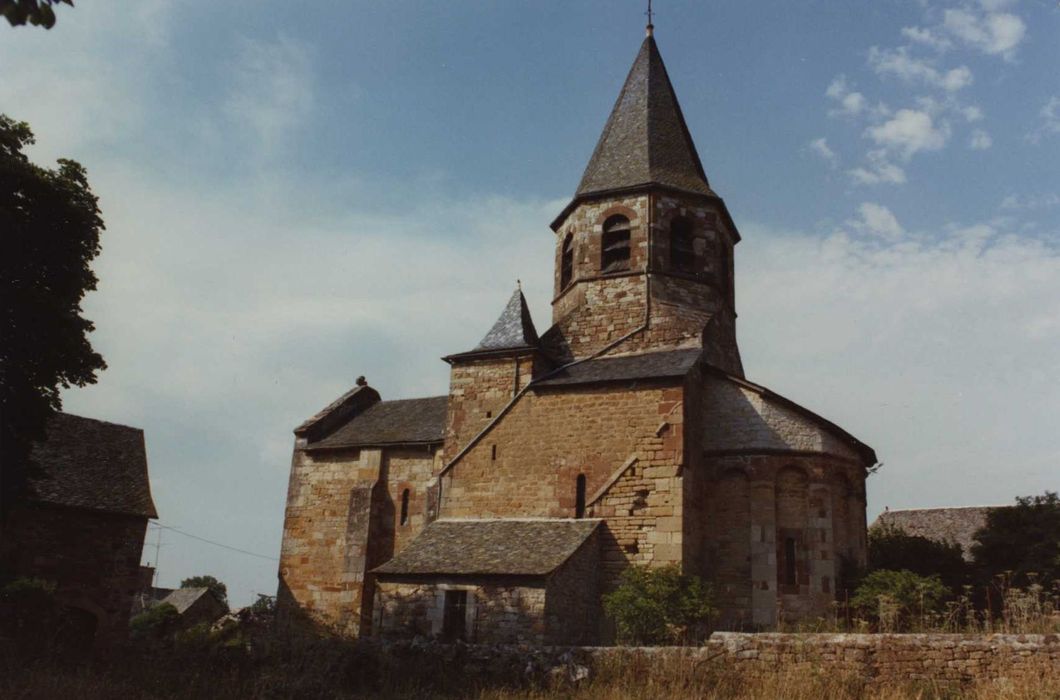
645, 247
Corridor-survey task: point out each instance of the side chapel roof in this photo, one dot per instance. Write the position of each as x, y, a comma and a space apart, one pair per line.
93, 464
401, 422
515, 547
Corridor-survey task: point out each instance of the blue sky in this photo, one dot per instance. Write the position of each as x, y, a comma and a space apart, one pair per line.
299, 194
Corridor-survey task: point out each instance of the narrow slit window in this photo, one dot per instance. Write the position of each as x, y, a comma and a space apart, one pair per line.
682, 253
614, 246
566, 264
579, 497
404, 506
493, 452
790, 569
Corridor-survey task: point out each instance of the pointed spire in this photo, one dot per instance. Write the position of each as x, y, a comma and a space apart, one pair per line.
514, 328
646, 140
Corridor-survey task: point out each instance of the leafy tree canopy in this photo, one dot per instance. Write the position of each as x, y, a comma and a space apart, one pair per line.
659, 605
1023, 539
49, 233
892, 548
218, 588
37, 12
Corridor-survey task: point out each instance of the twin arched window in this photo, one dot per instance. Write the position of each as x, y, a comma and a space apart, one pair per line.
682, 254
614, 245
566, 263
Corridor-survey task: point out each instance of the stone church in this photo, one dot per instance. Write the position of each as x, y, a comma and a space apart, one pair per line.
625, 434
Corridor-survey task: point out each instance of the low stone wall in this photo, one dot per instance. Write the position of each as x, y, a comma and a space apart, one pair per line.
948, 659
939, 657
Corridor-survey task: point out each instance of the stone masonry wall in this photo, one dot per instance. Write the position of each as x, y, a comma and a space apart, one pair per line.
572, 601
343, 519
596, 309
498, 611
325, 537
478, 390
93, 558
762, 474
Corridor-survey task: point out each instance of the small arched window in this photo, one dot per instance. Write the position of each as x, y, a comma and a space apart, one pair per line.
566, 262
404, 506
725, 270
614, 245
579, 497
682, 254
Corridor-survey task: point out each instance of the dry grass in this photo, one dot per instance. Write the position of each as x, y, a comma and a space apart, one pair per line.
641, 678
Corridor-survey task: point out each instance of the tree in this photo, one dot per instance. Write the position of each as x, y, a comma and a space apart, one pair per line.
894, 599
37, 12
49, 227
659, 605
892, 548
1023, 539
215, 586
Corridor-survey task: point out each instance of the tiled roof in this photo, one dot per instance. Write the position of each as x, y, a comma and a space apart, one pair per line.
407, 421
655, 365
184, 598
941, 524
491, 547
514, 330
646, 140
87, 463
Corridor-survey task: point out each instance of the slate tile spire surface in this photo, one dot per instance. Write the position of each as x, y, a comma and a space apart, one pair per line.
514, 329
645, 140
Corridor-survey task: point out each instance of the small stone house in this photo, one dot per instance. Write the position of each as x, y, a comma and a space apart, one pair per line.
195, 606
955, 525
82, 523
630, 412
495, 582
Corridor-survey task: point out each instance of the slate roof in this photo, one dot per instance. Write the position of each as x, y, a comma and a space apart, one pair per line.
402, 422
514, 330
491, 547
941, 524
655, 365
87, 463
868, 455
184, 598
646, 140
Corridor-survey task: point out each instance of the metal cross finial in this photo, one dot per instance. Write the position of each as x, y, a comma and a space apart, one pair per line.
650, 14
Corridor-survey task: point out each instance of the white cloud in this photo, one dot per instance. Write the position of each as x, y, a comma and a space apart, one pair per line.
821, 148
938, 350
898, 63
1049, 120
995, 33
271, 90
910, 131
927, 37
850, 103
972, 113
980, 140
1030, 202
878, 170
877, 220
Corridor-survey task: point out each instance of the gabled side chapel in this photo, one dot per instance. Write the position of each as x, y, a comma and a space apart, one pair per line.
624, 435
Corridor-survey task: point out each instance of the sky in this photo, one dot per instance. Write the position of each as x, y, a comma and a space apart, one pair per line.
297, 194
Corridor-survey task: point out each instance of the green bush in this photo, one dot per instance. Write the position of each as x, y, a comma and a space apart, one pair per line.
893, 549
660, 606
1021, 542
155, 623
897, 600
